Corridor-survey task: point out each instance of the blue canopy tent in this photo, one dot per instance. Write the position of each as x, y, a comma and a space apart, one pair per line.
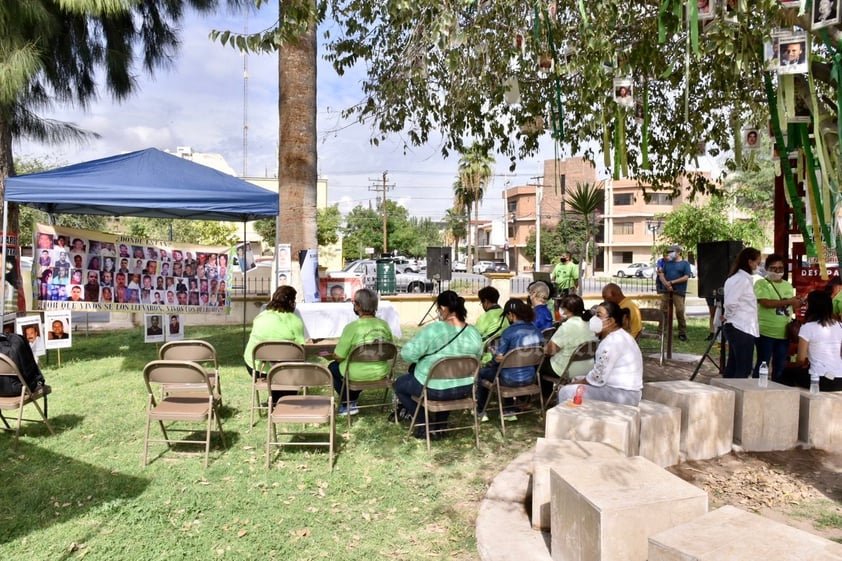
148, 183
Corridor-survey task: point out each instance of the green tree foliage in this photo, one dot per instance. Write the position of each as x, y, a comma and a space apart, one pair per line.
569, 235
586, 200
457, 226
474, 173
691, 224
408, 236
205, 232
328, 221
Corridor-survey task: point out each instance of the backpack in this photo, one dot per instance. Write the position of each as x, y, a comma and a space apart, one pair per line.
17, 348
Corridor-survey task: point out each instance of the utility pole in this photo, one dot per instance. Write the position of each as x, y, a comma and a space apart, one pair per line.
539, 201
379, 185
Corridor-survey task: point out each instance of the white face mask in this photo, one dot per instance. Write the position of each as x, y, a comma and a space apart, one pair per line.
774, 277
595, 324
672, 255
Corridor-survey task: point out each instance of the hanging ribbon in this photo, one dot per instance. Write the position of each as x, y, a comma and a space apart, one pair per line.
555, 104
811, 187
693, 20
583, 13
606, 141
618, 160
794, 199
836, 74
644, 131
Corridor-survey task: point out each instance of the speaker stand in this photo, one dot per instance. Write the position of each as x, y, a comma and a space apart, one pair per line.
429, 313
716, 337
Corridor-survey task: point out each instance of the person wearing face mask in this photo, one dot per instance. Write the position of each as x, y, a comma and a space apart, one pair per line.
450, 336
674, 275
572, 332
520, 333
566, 275
739, 313
493, 321
775, 301
617, 373
366, 329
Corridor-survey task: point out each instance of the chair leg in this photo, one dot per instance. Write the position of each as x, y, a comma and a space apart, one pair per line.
146, 442
44, 415
347, 388
221, 432
332, 435
427, 428
269, 426
500, 408
415, 416
4, 420
253, 396
209, 426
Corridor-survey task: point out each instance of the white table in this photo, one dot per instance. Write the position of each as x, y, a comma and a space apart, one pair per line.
326, 320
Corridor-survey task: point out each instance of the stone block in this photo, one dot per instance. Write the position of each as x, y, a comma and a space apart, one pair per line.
660, 432
731, 534
765, 419
562, 456
596, 421
820, 420
707, 416
608, 511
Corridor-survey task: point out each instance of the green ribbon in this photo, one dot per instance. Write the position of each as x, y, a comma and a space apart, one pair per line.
606, 141
795, 201
694, 25
667, 7
555, 105
644, 131
583, 13
617, 157
836, 74
813, 179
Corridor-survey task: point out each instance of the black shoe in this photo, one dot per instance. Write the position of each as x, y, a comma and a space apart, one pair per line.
682, 338
421, 434
709, 337
403, 415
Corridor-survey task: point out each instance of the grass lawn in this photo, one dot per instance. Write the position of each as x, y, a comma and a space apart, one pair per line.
84, 494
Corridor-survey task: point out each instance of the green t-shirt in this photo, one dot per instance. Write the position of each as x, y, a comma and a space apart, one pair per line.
489, 325
363, 330
837, 304
271, 325
567, 337
565, 275
773, 321
433, 337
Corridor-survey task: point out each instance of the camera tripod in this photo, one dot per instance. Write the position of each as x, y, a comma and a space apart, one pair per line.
436, 279
718, 334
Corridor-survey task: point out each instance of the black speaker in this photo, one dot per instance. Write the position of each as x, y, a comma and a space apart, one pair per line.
438, 263
713, 265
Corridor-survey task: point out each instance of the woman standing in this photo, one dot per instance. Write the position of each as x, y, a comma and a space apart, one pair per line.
740, 314
276, 323
617, 373
819, 344
450, 336
775, 301
520, 333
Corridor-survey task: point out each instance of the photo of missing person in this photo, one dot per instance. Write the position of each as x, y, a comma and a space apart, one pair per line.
792, 55
175, 328
59, 332
751, 139
154, 328
825, 13
30, 328
706, 9
624, 93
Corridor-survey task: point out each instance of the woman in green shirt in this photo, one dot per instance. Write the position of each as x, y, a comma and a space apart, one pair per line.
276, 323
450, 336
775, 301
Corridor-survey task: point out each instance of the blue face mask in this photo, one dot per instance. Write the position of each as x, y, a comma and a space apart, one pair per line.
672, 255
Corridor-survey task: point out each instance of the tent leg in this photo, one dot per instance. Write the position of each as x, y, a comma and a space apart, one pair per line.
243, 269
3, 280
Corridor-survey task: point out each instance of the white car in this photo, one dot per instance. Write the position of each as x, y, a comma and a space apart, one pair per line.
632, 270
459, 267
481, 266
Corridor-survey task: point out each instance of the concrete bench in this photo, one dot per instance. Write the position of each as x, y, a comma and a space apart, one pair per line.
765, 419
729, 533
707, 416
820, 420
596, 421
563, 456
608, 511
660, 433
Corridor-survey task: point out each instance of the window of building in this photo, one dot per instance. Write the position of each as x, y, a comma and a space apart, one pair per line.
659, 199
623, 228
623, 199
623, 257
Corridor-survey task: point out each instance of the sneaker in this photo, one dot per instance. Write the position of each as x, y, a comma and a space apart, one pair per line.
483, 418
345, 410
682, 338
403, 415
709, 337
510, 416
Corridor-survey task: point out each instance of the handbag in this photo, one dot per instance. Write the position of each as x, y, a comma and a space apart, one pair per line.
793, 328
411, 368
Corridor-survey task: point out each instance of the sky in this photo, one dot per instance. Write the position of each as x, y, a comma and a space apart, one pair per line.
199, 102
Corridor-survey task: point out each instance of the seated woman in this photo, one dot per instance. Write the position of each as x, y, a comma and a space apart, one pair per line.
366, 329
276, 323
617, 374
819, 341
539, 293
450, 336
572, 332
520, 333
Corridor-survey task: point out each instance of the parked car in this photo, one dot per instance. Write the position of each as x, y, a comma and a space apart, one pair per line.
646, 273
459, 267
366, 269
631, 270
497, 267
481, 266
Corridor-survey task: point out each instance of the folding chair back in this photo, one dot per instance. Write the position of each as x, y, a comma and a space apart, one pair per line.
548, 333
654, 323
200, 352
449, 368
531, 356
199, 403
304, 409
374, 351
266, 354
584, 352
10, 370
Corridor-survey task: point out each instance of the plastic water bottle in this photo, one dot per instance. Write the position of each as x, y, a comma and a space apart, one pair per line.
763, 375
580, 391
814, 384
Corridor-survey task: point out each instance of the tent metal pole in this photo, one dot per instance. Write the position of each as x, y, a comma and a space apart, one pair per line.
274, 283
3, 280
243, 266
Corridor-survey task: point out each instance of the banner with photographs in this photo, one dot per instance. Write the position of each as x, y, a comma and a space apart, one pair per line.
162, 327
92, 271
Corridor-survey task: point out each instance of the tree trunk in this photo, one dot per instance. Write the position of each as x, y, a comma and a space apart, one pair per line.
7, 169
297, 173
476, 239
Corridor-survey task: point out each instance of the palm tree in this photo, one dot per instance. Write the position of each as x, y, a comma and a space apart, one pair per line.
456, 225
586, 199
474, 174
52, 51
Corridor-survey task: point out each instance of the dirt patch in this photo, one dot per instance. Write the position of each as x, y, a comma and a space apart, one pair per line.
801, 488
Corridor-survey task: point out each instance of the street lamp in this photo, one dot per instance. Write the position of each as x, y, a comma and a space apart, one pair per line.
654, 226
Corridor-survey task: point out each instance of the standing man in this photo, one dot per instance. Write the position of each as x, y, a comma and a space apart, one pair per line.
566, 275
673, 276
